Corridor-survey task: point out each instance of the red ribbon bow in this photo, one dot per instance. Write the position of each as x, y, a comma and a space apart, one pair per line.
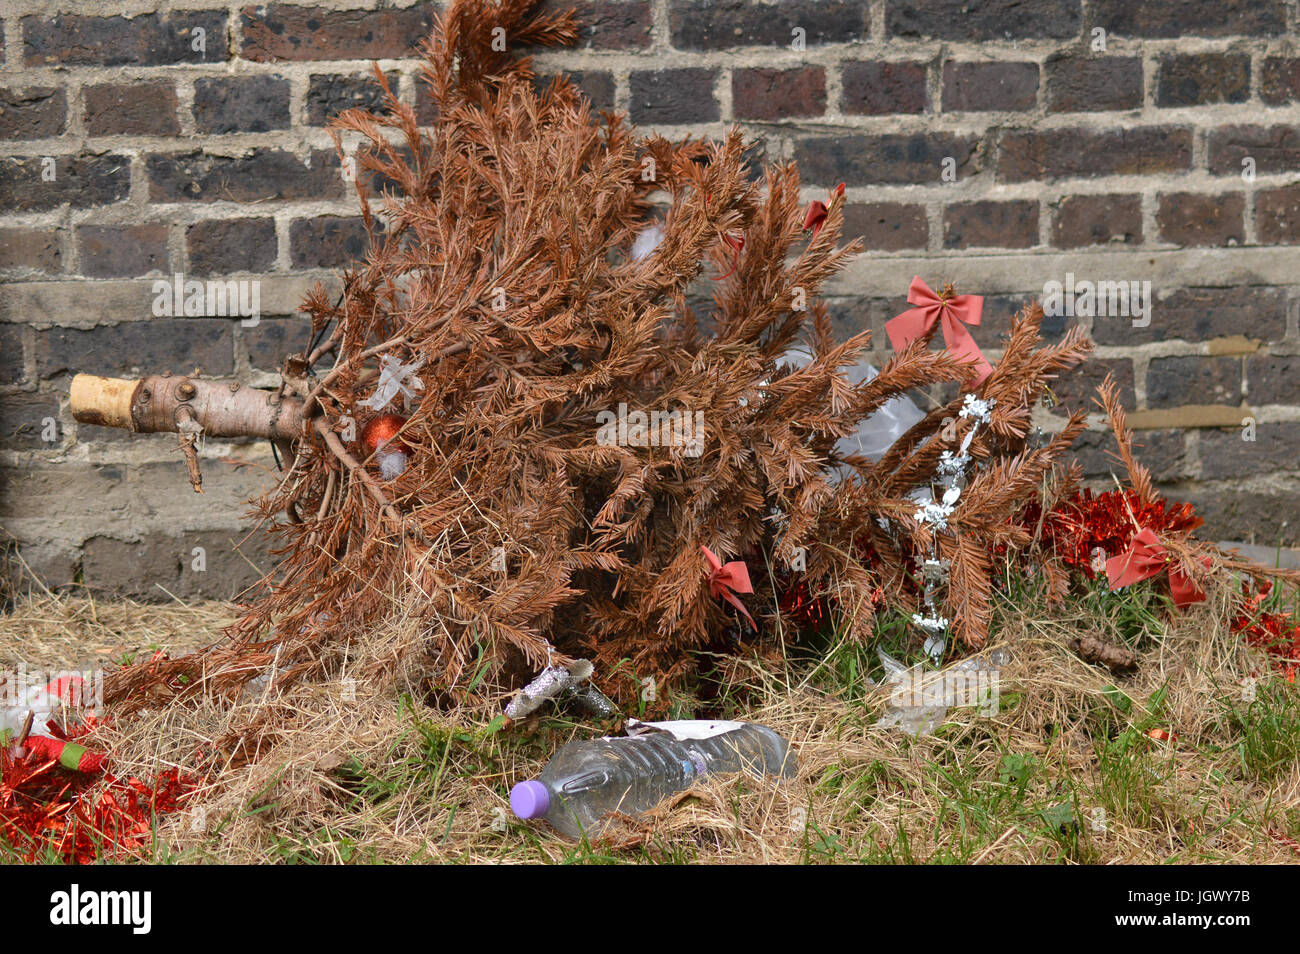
817, 211
1143, 559
953, 314
725, 581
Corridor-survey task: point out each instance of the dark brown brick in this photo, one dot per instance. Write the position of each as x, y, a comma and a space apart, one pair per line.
150, 39
596, 85
1279, 80
122, 251
606, 25
228, 104
25, 421
32, 112
79, 181
887, 226
271, 339
1277, 216
1196, 79
984, 87
262, 174
136, 347
37, 249
222, 246
1076, 388
1030, 155
778, 94
1179, 18
1224, 453
1163, 452
1273, 378
278, 31
900, 159
668, 97
1190, 218
327, 242
881, 88
12, 363
721, 24
1083, 220
990, 224
234, 563
990, 20
1273, 148
1201, 314
1231, 513
144, 108
1191, 379
328, 95
144, 570
1083, 83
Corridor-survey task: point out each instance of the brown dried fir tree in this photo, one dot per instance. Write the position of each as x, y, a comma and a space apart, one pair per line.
501, 264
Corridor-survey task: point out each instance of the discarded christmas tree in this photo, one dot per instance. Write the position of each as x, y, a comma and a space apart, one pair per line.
514, 435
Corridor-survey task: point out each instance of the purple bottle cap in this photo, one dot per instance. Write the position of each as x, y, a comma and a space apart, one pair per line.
530, 799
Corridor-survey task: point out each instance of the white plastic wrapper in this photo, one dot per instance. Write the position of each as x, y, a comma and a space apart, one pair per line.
877, 433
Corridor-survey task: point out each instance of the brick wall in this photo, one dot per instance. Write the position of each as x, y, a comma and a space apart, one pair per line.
1001, 145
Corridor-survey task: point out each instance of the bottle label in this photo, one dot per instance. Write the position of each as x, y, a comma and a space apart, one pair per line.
684, 730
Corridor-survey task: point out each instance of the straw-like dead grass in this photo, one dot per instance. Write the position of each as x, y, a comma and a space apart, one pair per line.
1064, 771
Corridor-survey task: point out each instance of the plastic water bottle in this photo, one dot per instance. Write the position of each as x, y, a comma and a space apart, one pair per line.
585, 781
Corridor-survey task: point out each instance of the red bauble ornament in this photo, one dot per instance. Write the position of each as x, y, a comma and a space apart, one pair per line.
381, 429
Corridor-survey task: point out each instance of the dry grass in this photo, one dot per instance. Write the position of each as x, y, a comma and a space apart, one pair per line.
387, 776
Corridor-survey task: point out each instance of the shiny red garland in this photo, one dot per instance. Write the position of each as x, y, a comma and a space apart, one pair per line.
48, 812
1276, 633
1106, 521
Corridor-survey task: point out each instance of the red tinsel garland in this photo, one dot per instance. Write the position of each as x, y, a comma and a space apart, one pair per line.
1276, 633
1106, 521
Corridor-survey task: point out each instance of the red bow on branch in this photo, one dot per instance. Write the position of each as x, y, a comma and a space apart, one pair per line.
1143, 559
953, 313
817, 211
726, 581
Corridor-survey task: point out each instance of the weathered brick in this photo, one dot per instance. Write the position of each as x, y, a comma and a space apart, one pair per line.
27, 418
147, 569
984, 87
719, 24
1192, 379
144, 108
139, 347
1277, 216
12, 362
991, 224
1201, 314
1033, 155
122, 251
1225, 453
327, 241
37, 249
1231, 513
1273, 378
1190, 218
596, 85
32, 112
1083, 220
262, 174
149, 39
1273, 149
271, 339
278, 31
1082, 83
667, 97
328, 95
1196, 79
778, 94
886, 226
234, 563
881, 88
228, 104
608, 24
901, 159
222, 246
1279, 80
79, 181
1163, 452
1179, 18
1076, 388
990, 20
